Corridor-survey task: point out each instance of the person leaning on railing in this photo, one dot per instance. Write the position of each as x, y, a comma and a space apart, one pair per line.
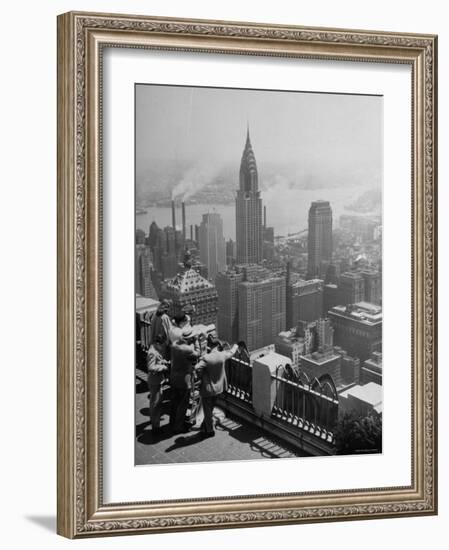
157, 368
211, 368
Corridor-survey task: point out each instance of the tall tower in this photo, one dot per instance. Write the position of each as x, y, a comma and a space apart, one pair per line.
248, 210
212, 244
320, 237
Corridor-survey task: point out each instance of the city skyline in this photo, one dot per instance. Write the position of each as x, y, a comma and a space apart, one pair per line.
305, 307
257, 265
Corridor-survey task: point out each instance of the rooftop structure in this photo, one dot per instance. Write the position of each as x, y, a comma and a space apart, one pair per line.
362, 399
358, 328
371, 370
290, 344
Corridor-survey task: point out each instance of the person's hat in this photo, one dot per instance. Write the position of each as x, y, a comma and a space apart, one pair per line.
187, 333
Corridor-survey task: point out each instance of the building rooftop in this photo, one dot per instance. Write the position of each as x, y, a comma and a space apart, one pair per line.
143, 304
234, 439
369, 393
351, 275
261, 352
188, 281
290, 336
365, 312
273, 360
320, 358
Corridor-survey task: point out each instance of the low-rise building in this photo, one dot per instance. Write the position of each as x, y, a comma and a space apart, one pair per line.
317, 364
358, 328
371, 370
290, 344
350, 367
363, 400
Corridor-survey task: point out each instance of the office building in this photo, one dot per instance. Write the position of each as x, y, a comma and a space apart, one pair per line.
231, 252
261, 305
357, 328
371, 370
268, 239
330, 297
228, 318
363, 400
248, 208
290, 344
317, 364
212, 244
350, 367
351, 288
304, 300
325, 335
319, 246
143, 280
373, 286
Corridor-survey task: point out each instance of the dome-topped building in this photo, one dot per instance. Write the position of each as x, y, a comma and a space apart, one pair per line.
190, 289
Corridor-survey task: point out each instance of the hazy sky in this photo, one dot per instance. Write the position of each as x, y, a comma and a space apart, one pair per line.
305, 134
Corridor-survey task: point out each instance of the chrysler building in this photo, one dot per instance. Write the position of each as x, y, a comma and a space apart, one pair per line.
248, 210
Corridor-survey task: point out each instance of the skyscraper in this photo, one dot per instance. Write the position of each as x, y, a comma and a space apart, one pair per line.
319, 238
212, 244
228, 314
261, 310
351, 288
248, 210
304, 301
144, 284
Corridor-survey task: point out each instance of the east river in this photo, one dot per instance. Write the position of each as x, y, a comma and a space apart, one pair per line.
287, 212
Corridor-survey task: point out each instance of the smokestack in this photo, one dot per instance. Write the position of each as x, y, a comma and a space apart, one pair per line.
191, 232
264, 217
173, 214
183, 213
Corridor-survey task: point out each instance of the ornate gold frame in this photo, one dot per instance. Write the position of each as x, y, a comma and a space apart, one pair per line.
81, 37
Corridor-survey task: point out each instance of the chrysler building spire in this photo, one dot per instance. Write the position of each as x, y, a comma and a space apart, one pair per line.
248, 167
249, 235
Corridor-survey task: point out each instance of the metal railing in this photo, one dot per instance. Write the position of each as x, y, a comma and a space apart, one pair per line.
239, 376
309, 405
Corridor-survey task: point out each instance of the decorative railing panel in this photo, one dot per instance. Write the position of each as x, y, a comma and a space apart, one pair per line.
239, 376
310, 406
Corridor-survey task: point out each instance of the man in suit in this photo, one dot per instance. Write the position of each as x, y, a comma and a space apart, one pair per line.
185, 353
213, 380
160, 328
157, 371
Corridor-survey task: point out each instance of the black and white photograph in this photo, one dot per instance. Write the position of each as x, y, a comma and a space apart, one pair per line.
258, 274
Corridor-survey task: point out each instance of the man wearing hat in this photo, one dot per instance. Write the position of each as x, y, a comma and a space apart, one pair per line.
160, 328
184, 355
213, 380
